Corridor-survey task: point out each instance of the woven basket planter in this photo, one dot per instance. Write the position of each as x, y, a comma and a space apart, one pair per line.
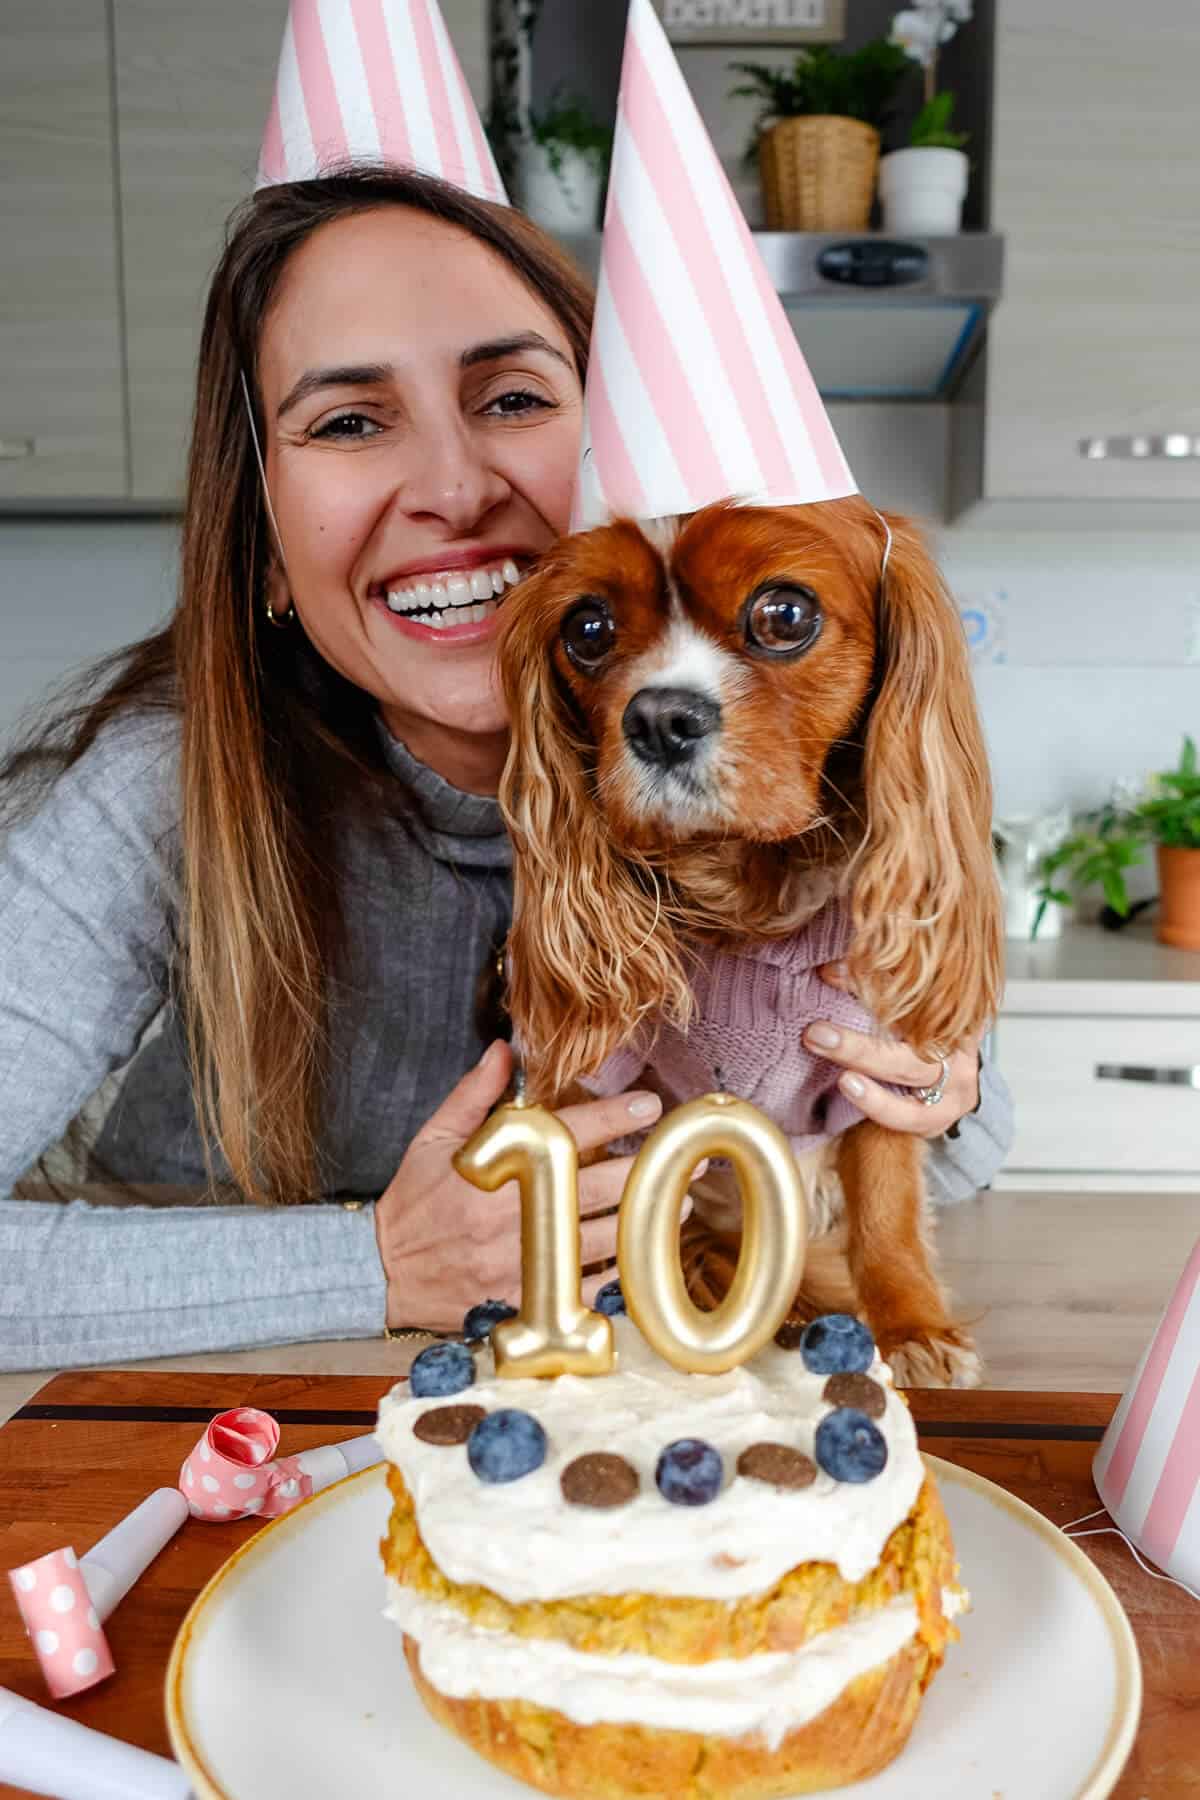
818, 174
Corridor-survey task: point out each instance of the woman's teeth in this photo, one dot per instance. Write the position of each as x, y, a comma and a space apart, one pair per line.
461, 598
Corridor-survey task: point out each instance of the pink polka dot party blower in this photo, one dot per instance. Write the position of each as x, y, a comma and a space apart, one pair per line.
233, 1473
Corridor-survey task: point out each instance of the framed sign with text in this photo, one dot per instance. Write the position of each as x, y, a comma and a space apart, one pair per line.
750, 22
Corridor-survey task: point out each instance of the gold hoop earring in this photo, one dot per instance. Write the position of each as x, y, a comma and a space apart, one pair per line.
281, 621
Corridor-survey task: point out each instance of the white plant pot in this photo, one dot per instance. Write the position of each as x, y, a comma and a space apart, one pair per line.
922, 191
563, 199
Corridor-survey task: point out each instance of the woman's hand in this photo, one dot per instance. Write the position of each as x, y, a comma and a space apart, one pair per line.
868, 1061
445, 1244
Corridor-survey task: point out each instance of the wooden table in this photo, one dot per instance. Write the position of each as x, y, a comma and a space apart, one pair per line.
90, 1446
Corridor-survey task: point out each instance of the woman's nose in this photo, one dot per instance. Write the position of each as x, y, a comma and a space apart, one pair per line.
451, 480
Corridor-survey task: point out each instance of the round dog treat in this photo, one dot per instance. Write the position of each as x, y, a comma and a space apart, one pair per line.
599, 1479
856, 1390
777, 1464
448, 1424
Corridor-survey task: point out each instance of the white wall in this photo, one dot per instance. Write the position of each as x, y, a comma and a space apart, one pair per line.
1080, 663
1081, 659
71, 590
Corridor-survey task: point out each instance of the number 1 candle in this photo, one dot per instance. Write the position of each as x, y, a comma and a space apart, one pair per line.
554, 1333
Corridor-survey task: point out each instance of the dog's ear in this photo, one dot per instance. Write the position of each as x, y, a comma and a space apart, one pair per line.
589, 955
927, 948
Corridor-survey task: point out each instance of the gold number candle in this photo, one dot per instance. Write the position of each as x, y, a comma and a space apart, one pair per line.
554, 1333
774, 1234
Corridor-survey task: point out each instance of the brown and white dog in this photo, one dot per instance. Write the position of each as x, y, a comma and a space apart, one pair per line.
719, 722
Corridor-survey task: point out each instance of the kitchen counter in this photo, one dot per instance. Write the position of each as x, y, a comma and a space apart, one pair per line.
1087, 969
1064, 1291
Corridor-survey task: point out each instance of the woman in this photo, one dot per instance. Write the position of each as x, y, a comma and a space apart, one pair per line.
266, 863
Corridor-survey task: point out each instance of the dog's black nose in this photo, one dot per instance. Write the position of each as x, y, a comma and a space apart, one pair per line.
666, 726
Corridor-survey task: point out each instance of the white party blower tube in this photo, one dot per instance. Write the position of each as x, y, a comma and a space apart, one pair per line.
111, 1567
47, 1754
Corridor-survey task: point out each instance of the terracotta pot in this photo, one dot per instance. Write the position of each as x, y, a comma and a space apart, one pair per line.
1179, 902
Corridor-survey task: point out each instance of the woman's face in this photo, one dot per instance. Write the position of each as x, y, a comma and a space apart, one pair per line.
423, 416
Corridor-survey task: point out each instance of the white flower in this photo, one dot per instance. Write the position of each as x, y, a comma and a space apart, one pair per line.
922, 28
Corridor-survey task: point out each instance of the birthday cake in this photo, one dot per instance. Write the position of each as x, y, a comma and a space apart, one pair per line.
654, 1583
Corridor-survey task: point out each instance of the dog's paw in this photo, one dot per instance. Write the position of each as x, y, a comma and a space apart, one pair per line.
946, 1358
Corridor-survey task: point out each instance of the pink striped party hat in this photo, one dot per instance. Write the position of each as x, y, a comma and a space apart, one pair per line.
1147, 1470
697, 390
376, 81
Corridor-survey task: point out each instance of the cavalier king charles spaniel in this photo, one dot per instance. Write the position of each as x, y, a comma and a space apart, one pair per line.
738, 753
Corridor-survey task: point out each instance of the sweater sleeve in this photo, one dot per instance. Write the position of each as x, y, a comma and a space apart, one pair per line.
958, 1167
101, 1284
87, 933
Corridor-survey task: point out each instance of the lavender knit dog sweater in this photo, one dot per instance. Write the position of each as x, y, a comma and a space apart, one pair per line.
752, 1005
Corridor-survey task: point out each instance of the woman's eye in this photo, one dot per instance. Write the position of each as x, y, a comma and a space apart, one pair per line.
347, 425
588, 634
784, 620
518, 400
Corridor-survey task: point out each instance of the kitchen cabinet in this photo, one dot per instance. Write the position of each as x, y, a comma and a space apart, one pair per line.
129, 130
193, 85
1085, 1019
62, 417
1094, 184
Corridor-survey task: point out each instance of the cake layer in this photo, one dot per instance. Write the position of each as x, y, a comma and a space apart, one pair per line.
525, 1542
764, 1696
916, 1565
858, 1734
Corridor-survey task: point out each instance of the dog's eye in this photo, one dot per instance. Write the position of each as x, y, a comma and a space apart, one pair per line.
784, 620
588, 634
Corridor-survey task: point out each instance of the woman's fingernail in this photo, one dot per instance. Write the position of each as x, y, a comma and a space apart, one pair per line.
699, 1169
850, 1084
840, 971
825, 1035
645, 1106
486, 1058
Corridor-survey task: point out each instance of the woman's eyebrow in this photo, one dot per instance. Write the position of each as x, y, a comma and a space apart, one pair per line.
349, 375
510, 346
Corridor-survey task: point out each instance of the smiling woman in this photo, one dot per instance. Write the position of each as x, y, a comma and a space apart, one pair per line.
260, 866
270, 828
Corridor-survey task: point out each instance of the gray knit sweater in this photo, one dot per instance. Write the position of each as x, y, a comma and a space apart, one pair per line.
88, 922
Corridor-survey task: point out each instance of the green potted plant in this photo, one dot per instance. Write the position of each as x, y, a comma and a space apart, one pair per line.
562, 164
922, 187
554, 161
1115, 839
816, 137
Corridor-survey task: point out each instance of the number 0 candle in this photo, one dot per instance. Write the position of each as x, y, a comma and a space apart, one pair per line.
774, 1234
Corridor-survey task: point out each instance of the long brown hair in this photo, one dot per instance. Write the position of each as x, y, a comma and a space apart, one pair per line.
276, 747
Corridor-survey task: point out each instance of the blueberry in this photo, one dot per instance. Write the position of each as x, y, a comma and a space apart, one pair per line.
849, 1447
506, 1445
610, 1300
441, 1369
479, 1321
689, 1472
836, 1344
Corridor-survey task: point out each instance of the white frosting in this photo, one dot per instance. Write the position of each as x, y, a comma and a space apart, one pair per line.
766, 1695
523, 1541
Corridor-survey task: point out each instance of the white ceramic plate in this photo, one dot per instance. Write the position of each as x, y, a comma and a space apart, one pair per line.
286, 1681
